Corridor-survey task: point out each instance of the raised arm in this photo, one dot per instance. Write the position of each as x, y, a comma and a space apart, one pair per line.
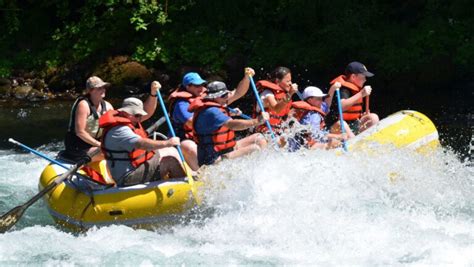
150, 104
242, 87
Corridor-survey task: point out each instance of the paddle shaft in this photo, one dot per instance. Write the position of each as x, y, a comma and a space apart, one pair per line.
56, 181
155, 125
168, 121
11, 140
178, 147
243, 116
262, 109
299, 95
341, 121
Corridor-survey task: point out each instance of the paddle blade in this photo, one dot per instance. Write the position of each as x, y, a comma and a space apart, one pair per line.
10, 218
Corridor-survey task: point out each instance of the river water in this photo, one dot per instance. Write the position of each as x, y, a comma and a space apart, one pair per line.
270, 208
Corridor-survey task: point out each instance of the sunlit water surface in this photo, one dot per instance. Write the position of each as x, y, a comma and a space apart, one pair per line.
273, 208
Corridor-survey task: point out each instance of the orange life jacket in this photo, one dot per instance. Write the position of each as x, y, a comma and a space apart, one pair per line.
183, 131
222, 139
301, 108
97, 176
136, 156
275, 118
355, 111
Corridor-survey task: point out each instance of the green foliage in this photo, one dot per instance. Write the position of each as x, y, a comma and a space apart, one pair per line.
147, 13
392, 37
5, 68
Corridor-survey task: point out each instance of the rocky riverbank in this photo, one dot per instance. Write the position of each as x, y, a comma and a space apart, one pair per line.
125, 75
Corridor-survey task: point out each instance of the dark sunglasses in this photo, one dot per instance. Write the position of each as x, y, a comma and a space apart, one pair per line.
138, 116
224, 95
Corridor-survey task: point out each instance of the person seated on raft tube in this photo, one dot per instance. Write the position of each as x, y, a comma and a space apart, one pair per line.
312, 111
276, 94
131, 156
214, 128
193, 86
352, 93
83, 133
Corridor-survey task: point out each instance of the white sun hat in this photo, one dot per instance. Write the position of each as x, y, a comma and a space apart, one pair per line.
312, 91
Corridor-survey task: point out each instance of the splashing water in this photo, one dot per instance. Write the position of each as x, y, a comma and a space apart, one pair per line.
269, 208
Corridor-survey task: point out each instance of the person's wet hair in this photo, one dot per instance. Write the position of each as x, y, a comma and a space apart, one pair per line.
279, 73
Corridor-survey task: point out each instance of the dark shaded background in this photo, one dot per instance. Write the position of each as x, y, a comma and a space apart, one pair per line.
422, 51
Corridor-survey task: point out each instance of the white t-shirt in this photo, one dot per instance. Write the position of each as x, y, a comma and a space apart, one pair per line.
264, 95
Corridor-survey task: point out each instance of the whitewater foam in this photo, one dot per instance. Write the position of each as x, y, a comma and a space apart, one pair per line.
308, 207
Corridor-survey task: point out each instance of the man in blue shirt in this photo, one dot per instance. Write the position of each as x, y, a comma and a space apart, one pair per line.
193, 86
214, 128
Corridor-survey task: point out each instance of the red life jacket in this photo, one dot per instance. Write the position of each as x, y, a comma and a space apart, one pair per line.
136, 156
222, 139
355, 111
275, 118
302, 108
175, 96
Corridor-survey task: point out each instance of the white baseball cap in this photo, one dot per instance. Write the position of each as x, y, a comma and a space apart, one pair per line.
312, 91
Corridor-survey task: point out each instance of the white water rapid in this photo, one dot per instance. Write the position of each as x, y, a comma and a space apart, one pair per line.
273, 208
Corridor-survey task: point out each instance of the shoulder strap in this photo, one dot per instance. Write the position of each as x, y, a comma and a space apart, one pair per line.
72, 118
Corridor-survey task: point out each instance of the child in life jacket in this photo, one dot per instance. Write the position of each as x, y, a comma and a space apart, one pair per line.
353, 95
312, 112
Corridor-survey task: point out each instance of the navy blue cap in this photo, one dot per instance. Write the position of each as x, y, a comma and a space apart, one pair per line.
358, 68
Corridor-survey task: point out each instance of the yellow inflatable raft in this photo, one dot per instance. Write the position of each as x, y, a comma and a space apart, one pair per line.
79, 204
404, 129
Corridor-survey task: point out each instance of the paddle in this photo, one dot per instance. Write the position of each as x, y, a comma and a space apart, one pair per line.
262, 109
11, 217
341, 121
299, 95
155, 125
243, 116
185, 167
13, 141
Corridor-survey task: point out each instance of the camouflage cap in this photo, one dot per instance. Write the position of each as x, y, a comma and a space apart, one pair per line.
95, 82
